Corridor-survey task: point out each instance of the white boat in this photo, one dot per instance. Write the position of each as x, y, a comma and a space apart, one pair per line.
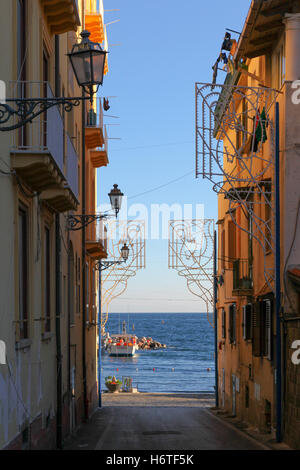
122, 344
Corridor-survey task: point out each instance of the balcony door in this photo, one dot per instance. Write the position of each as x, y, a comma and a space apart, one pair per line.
45, 93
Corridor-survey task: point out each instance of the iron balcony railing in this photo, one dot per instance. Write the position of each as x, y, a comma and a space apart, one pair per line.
45, 134
242, 274
95, 119
72, 167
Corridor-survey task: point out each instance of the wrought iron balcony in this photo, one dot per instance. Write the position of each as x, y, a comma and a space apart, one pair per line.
37, 152
72, 167
242, 277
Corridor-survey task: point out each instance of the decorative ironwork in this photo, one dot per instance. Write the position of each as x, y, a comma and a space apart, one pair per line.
191, 254
103, 265
235, 151
79, 221
26, 109
115, 279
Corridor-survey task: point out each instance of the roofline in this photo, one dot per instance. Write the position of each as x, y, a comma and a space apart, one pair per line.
252, 13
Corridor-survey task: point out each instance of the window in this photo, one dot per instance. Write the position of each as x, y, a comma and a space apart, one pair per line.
268, 215
23, 273
223, 323
21, 40
247, 322
223, 250
232, 323
281, 66
77, 284
21, 63
231, 242
87, 292
45, 92
47, 280
262, 329
247, 396
93, 312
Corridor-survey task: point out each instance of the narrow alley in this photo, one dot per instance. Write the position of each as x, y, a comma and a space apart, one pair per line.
151, 421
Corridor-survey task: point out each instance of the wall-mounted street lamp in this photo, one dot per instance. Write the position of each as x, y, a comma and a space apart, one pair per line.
87, 60
79, 221
101, 266
116, 196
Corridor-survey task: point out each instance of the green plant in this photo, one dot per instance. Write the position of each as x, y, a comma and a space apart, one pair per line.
112, 380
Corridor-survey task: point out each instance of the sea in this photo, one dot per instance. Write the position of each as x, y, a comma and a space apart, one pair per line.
186, 365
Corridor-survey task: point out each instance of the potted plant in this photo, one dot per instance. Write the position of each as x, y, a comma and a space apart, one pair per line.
113, 384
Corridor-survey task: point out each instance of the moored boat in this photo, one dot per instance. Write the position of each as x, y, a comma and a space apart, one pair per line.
124, 344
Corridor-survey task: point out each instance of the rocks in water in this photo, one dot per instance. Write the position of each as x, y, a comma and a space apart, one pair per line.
149, 343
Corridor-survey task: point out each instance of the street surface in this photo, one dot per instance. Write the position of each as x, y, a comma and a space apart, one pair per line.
159, 422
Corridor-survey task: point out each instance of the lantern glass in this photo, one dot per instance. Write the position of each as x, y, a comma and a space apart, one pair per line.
81, 63
98, 67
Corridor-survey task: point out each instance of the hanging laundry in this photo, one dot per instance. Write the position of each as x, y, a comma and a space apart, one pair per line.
227, 43
260, 127
224, 57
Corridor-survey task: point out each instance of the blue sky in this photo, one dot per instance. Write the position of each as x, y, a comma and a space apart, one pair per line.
158, 50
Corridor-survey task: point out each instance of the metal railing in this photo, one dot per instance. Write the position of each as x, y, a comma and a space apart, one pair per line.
72, 167
242, 274
45, 134
93, 118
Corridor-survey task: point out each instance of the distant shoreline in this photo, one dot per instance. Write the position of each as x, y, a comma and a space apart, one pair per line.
161, 313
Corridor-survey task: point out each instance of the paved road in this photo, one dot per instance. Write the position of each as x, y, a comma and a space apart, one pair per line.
164, 427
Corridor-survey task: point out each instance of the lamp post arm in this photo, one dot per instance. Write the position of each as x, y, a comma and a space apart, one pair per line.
79, 221
27, 109
102, 265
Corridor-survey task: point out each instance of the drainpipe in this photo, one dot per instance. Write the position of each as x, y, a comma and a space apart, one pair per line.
277, 285
216, 320
99, 339
58, 291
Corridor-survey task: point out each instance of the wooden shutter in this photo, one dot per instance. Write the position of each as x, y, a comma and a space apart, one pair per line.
244, 322
230, 329
231, 242
234, 323
256, 330
268, 329
249, 309
223, 323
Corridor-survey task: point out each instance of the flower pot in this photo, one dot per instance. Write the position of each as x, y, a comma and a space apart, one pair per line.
113, 388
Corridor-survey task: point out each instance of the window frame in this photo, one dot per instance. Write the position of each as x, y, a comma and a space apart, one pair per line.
23, 268
47, 269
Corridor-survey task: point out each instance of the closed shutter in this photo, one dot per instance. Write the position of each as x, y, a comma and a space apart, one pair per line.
268, 329
230, 329
244, 322
223, 323
248, 322
256, 329
234, 323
